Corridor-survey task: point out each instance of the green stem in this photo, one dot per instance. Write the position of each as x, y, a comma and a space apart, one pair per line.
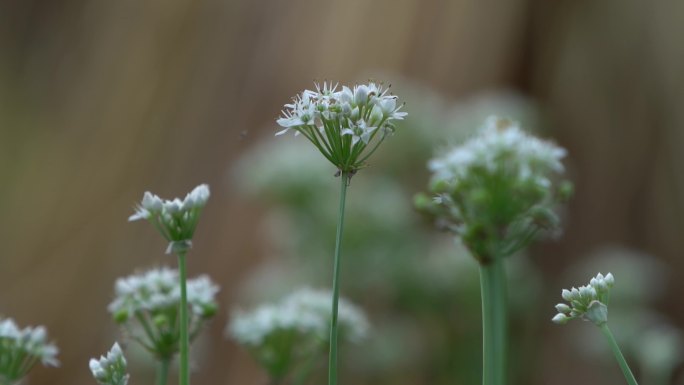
184, 370
332, 363
163, 371
618, 355
494, 322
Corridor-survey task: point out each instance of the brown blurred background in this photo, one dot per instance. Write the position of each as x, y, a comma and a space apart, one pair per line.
102, 100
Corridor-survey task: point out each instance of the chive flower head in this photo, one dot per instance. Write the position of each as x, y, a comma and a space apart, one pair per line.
151, 301
21, 349
589, 302
175, 219
498, 189
346, 125
295, 329
110, 369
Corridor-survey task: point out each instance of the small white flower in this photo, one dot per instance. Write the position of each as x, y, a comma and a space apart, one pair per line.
176, 220
359, 131
110, 369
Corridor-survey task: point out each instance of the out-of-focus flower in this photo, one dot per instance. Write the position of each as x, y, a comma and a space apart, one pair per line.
497, 191
347, 125
295, 329
589, 302
659, 350
21, 349
110, 369
282, 169
175, 219
152, 299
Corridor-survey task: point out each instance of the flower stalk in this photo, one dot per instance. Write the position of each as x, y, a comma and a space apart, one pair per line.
163, 371
184, 370
332, 363
494, 322
618, 354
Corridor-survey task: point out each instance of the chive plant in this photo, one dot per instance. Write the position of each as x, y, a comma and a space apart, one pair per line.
176, 220
590, 303
496, 192
347, 127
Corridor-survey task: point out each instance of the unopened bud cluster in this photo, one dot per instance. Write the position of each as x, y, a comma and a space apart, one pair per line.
110, 369
21, 349
497, 190
589, 302
152, 301
346, 125
175, 219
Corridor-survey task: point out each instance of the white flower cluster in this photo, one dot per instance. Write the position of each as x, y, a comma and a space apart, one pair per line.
360, 110
306, 312
176, 219
110, 369
151, 301
500, 147
589, 302
326, 116
497, 191
20, 349
158, 290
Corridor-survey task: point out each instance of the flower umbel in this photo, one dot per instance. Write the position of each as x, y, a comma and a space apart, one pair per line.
497, 190
21, 349
294, 330
110, 369
175, 219
589, 302
152, 300
346, 126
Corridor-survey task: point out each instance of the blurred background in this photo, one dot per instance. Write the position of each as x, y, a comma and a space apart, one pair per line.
102, 100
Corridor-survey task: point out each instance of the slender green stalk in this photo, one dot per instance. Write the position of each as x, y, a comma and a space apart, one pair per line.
332, 363
163, 371
184, 371
494, 322
618, 355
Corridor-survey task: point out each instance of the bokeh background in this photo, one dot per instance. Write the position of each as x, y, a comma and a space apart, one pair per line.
102, 100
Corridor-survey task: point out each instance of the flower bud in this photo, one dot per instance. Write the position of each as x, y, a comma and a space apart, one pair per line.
610, 280
563, 308
376, 116
361, 94
567, 295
